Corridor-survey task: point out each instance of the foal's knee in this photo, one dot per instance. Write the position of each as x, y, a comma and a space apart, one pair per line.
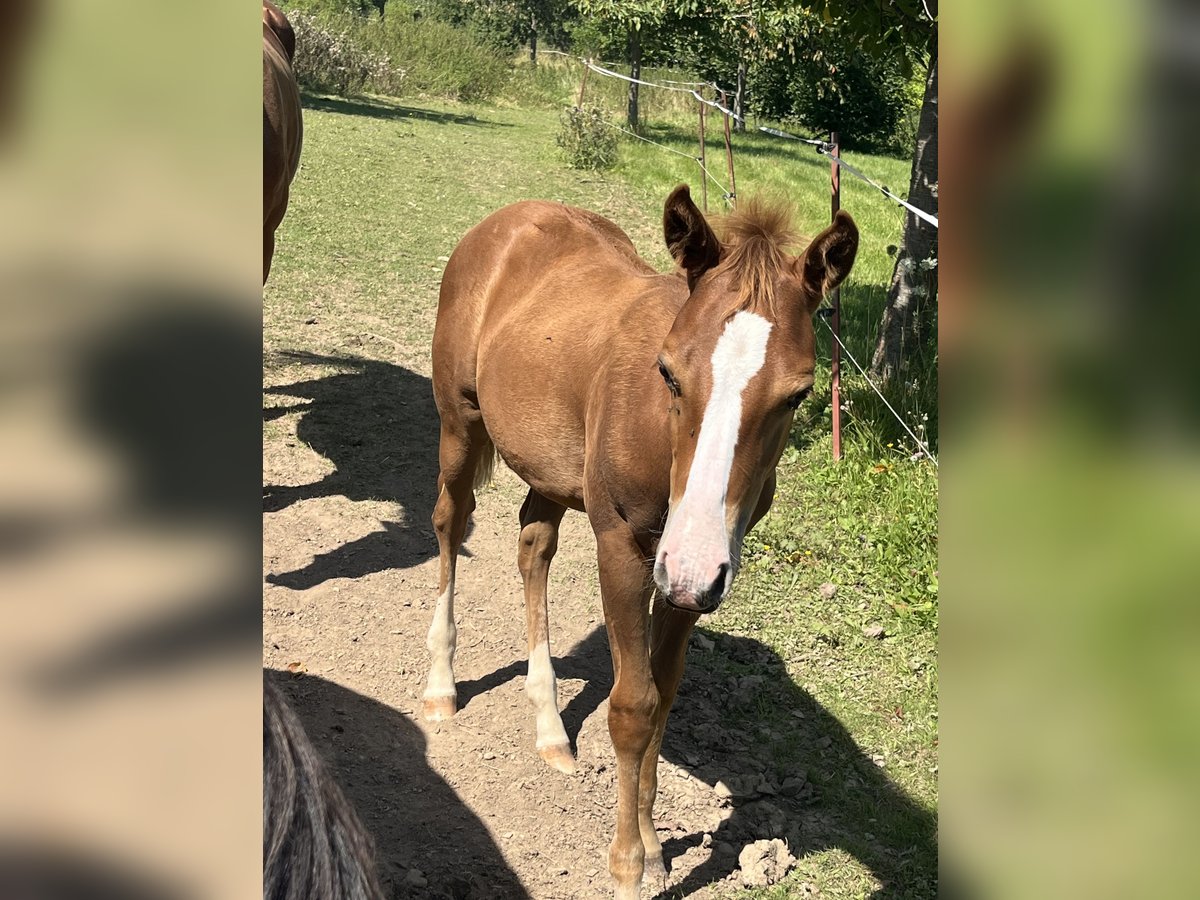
631, 719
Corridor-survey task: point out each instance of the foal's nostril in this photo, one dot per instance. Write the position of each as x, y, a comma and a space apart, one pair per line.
717, 589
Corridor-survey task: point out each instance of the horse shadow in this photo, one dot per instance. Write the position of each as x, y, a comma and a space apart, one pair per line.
417, 820
61, 871
822, 790
378, 425
142, 387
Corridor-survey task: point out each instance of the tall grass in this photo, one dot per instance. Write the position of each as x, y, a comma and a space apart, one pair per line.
396, 55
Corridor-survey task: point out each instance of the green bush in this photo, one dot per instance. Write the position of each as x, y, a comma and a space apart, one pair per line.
586, 140
330, 58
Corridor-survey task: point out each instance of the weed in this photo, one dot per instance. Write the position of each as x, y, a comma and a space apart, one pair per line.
586, 140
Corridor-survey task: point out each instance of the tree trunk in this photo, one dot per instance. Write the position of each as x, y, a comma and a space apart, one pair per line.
532, 39
635, 71
908, 318
739, 98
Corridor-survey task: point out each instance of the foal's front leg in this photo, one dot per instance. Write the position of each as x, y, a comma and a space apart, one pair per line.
633, 705
669, 631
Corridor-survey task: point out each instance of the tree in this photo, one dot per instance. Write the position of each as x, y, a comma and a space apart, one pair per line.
912, 296
632, 16
907, 30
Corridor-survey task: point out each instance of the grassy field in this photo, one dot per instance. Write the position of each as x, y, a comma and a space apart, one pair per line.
840, 579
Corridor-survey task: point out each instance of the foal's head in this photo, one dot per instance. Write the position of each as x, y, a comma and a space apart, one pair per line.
737, 363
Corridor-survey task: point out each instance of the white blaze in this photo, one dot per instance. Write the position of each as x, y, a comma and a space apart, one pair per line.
696, 531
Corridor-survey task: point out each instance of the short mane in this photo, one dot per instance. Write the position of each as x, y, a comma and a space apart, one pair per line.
756, 238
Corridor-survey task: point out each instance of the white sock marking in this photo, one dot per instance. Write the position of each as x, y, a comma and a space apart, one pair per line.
441, 641
542, 690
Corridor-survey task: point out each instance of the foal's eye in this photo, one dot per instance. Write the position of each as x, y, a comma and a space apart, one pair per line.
669, 379
797, 398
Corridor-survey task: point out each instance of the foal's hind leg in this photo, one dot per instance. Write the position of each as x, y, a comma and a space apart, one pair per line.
540, 519
462, 451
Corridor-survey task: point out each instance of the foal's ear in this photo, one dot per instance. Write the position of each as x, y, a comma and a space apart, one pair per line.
829, 258
691, 242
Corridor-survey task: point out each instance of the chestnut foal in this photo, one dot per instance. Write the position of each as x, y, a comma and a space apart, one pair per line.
659, 404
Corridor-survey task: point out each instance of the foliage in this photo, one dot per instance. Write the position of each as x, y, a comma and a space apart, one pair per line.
504, 24
906, 127
396, 54
331, 58
898, 30
862, 97
805, 67
586, 140
438, 58
635, 14
339, 7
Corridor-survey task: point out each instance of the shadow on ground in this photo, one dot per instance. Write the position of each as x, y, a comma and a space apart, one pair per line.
418, 821
377, 423
63, 872
838, 797
385, 109
145, 398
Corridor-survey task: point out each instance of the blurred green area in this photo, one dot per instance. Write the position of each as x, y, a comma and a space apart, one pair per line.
1071, 492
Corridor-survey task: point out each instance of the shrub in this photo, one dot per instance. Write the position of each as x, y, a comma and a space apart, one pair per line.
586, 140
330, 58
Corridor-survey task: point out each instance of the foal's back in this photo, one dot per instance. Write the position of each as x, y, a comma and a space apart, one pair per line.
540, 302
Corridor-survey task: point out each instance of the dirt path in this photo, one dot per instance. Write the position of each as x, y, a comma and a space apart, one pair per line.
466, 809
350, 568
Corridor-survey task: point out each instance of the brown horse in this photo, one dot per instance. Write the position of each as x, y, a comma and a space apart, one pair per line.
283, 128
659, 404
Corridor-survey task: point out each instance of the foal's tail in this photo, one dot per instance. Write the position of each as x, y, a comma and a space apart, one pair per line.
487, 465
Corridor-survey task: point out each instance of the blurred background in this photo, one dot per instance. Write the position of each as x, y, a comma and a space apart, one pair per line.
130, 272
130, 511
1071, 499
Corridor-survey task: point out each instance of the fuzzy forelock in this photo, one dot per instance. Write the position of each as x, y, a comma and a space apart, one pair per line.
756, 238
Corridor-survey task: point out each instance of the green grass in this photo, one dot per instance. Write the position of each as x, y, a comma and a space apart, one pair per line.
386, 189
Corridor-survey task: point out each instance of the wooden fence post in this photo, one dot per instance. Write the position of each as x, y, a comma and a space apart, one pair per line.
583, 84
729, 154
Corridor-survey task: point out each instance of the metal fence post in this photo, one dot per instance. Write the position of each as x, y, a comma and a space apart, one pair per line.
835, 302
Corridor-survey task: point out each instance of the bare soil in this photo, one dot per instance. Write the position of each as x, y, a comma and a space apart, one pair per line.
466, 808
350, 564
